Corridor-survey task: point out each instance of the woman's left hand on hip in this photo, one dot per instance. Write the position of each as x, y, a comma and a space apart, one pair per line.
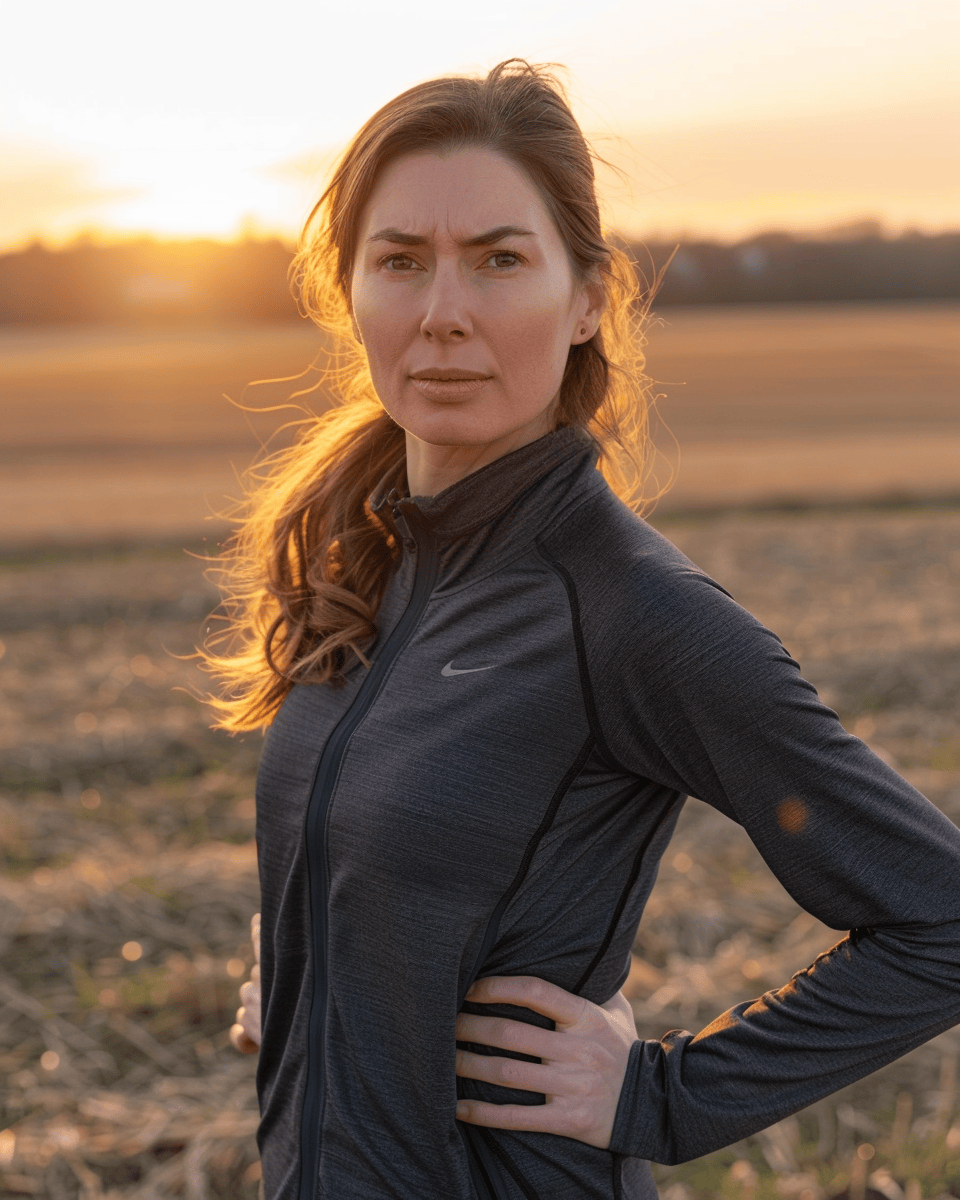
582, 1063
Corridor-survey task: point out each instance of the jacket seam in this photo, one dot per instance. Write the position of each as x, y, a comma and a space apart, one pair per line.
509, 1165
618, 911
479, 1175
586, 686
617, 1176
549, 816
441, 592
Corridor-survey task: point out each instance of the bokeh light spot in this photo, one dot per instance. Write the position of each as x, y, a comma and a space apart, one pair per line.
8, 1146
792, 815
131, 951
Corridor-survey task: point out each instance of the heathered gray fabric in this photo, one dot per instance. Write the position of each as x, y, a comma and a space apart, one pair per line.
520, 812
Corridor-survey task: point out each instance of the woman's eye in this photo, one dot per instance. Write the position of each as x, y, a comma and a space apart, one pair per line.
503, 259
397, 262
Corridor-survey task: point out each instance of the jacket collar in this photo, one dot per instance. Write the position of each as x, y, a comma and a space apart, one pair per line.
481, 497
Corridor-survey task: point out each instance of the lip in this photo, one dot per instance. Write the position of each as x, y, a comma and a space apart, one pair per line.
446, 373
448, 382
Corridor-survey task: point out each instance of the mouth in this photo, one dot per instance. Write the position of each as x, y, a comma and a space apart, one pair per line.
448, 382
446, 374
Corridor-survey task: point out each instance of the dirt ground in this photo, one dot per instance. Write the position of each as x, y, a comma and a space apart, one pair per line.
130, 870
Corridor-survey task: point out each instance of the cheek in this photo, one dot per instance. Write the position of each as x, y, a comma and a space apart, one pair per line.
382, 328
535, 338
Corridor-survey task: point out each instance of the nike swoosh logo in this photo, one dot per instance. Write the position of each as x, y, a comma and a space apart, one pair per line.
450, 669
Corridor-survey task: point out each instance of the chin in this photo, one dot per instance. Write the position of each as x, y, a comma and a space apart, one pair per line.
458, 428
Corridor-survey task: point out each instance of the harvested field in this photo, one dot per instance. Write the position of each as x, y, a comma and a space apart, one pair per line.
130, 871
126, 824
126, 434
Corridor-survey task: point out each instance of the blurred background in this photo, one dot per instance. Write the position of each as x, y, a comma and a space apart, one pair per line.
798, 162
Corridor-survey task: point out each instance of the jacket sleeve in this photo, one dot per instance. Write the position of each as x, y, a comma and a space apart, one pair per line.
690, 690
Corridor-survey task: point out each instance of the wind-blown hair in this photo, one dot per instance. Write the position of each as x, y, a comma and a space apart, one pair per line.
304, 573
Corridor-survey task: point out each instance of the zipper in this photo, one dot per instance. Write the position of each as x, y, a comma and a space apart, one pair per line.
318, 808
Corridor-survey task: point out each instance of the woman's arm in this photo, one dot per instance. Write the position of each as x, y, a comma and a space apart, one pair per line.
245, 1034
690, 691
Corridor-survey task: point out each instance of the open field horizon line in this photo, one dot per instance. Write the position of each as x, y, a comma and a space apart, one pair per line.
191, 542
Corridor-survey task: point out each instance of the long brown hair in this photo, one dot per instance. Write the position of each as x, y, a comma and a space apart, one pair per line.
304, 573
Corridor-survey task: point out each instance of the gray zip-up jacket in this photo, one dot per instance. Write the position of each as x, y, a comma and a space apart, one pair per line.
493, 796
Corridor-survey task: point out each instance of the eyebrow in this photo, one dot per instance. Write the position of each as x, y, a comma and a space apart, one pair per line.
398, 237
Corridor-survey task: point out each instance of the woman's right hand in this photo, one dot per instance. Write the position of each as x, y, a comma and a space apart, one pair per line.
245, 1034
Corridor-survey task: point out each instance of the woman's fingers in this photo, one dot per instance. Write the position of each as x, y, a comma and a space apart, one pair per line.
582, 1061
245, 1034
250, 995
505, 1034
572, 1122
507, 1072
241, 1040
529, 992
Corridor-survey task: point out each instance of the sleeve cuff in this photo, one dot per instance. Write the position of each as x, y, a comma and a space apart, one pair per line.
637, 1126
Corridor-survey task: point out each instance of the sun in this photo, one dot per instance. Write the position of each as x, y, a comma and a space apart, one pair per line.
233, 203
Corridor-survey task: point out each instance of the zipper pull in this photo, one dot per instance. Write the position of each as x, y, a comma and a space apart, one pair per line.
409, 541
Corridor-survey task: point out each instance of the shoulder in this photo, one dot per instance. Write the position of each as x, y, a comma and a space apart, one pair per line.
671, 662
621, 571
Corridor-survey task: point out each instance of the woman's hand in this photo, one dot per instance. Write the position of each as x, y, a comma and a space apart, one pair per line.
245, 1035
582, 1063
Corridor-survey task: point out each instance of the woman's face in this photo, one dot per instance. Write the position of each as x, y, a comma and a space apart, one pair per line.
463, 295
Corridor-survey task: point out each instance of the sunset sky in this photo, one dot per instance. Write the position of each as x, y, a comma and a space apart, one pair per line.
203, 117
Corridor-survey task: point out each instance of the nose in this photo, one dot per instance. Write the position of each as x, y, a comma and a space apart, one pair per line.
447, 316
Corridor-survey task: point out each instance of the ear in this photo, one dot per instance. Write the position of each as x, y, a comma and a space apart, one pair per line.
590, 309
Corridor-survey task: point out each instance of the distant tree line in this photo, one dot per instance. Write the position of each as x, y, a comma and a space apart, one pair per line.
859, 264
203, 280
147, 280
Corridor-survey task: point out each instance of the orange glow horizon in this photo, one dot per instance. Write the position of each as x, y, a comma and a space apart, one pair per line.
720, 121
105, 237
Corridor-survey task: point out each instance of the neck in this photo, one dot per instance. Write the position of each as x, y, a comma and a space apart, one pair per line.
431, 469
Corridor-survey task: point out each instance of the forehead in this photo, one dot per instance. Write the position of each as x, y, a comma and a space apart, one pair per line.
456, 192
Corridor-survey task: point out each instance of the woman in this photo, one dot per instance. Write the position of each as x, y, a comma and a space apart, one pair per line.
489, 687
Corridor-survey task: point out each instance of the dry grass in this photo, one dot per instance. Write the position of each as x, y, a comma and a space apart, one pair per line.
130, 872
